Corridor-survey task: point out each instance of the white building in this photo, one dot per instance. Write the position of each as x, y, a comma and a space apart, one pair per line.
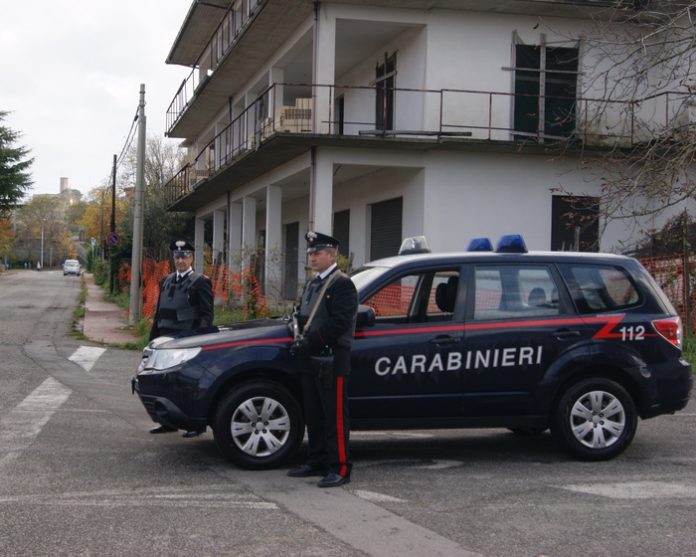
374, 120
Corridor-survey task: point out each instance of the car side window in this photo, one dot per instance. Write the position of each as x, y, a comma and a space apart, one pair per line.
417, 298
597, 288
514, 291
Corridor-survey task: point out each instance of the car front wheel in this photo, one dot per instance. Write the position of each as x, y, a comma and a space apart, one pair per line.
258, 425
595, 419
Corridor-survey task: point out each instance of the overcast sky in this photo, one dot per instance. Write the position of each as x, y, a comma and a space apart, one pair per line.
70, 74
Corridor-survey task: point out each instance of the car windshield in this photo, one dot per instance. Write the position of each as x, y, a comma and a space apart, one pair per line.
365, 275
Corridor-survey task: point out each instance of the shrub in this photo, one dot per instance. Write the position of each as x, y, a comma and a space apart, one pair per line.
101, 272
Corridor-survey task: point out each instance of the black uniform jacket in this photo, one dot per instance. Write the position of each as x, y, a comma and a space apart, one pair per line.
200, 295
334, 323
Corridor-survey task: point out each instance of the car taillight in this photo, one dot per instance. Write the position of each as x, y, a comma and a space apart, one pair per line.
670, 329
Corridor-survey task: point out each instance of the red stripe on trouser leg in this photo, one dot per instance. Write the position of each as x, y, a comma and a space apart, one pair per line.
340, 433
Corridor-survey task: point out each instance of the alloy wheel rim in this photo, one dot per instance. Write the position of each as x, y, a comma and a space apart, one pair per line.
260, 426
597, 419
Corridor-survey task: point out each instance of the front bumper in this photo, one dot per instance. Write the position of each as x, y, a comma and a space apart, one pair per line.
165, 412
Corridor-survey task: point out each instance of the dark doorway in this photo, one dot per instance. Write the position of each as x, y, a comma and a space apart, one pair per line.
574, 223
386, 228
290, 270
341, 231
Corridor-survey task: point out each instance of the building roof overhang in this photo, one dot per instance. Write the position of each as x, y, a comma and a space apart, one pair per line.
194, 35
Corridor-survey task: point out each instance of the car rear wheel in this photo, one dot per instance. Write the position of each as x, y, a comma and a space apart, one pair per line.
258, 425
595, 419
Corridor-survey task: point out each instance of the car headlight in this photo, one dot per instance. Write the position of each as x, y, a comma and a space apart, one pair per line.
162, 359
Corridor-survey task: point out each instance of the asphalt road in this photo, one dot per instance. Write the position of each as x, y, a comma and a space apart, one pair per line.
80, 475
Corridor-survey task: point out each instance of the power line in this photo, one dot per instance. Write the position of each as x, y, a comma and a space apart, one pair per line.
129, 139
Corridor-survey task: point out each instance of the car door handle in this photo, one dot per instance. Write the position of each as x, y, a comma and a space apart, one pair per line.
444, 340
565, 334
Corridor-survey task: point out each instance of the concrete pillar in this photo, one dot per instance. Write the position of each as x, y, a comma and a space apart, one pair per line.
273, 262
321, 193
199, 244
234, 237
248, 230
218, 236
324, 70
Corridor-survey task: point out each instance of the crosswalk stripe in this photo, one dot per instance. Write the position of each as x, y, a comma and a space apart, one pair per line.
87, 356
24, 422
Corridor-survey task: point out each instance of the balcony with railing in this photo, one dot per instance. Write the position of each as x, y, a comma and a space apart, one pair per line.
235, 20
248, 33
363, 116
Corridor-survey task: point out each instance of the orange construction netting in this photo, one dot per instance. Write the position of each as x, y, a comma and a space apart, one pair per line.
227, 286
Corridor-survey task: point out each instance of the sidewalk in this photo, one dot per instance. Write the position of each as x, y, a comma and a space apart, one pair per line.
104, 322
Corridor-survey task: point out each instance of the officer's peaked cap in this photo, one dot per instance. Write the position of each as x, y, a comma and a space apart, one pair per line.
180, 247
317, 241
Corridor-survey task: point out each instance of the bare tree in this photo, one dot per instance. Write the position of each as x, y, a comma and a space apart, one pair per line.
162, 160
638, 122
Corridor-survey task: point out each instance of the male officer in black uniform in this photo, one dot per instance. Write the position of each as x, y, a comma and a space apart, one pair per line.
326, 331
185, 303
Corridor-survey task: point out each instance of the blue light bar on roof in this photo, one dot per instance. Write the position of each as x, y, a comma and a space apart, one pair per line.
480, 244
511, 243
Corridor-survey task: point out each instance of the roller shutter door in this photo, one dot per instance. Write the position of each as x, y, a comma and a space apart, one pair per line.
386, 228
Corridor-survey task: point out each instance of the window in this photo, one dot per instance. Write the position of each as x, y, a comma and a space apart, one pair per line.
574, 223
597, 288
545, 92
510, 291
417, 298
384, 89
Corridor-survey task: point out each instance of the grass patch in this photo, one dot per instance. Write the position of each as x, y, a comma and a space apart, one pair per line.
224, 314
689, 350
79, 311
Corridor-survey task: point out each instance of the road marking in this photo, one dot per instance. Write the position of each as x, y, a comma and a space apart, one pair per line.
87, 356
636, 490
24, 422
441, 465
357, 522
377, 497
155, 497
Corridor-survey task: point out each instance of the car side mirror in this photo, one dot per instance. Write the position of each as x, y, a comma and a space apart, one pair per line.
366, 317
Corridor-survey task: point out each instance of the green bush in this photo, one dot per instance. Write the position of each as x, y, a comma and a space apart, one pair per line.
689, 350
101, 272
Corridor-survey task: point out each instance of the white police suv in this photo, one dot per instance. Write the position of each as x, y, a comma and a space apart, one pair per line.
583, 344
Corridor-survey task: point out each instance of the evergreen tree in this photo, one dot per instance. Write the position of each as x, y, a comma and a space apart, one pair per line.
14, 168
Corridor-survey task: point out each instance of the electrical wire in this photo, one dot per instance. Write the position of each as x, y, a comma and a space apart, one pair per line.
129, 139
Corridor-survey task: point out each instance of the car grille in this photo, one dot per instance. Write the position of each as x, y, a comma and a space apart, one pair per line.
150, 406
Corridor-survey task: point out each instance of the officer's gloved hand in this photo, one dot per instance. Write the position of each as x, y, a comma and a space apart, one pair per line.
299, 348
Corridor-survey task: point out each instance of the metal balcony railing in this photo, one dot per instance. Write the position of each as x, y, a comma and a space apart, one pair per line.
224, 37
399, 113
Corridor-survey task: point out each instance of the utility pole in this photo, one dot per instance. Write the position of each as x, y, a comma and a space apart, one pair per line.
136, 257
113, 197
